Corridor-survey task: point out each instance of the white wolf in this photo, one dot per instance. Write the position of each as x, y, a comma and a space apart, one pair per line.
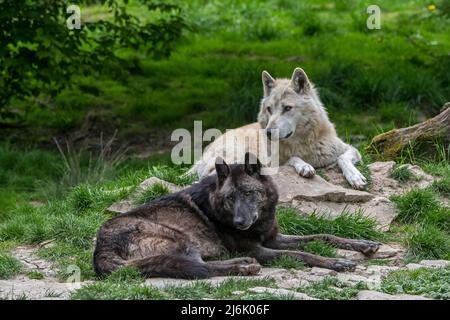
291, 114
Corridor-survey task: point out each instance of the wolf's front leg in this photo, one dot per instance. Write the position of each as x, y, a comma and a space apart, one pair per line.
304, 169
282, 241
245, 266
346, 162
263, 255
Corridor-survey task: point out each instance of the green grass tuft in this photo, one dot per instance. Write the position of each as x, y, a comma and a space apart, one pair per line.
155, 191
9, 266
432, 283
428, 242
402, 173
36, 275
421, 206
321, 248
348, 225
442, 187
331, 288
286, 262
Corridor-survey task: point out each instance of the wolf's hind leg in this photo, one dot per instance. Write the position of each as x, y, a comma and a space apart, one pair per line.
172, 266
304, 169
346, 162
239, 266
295, 242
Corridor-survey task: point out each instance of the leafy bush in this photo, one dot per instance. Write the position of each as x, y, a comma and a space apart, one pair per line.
39, 53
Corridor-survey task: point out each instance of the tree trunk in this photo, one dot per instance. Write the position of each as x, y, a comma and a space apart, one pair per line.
421, 139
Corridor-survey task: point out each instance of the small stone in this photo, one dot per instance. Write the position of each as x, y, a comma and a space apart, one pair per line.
323, 272
375, 295
435, 263
121, 206
414, 266
238, 293
380, 270
129, 204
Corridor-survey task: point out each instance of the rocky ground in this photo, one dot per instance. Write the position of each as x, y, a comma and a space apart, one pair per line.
326, 192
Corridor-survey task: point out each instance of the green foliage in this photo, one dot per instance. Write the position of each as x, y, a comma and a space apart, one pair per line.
36, 275
39, 53
442, 186
432, 283
402, 173
421, 206
9, 266
321, 248
122, 287
349, 225
155, 191
286, 262
428, 242
332, 289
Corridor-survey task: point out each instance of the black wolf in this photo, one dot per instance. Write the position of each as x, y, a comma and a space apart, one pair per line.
231, 211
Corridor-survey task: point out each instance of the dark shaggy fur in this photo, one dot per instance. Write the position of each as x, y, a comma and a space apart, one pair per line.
233, 211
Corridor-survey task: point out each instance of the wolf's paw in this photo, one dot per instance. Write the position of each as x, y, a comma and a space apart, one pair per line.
305, 170
357, 180
249, 269
244, 260
343, 265
367, 247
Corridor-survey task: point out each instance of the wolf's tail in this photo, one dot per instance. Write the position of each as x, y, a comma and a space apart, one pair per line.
167, 266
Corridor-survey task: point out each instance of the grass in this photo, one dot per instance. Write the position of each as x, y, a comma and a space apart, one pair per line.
428, 242
349, 225
9, 266
36, 275
286, 262
421, 206
127, 283
386, 77
155, 191
432, 283
332, 289
320, 248
442, 187
426, 222
402, 173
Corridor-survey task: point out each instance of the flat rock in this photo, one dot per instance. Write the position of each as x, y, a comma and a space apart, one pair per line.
30, 289
315, 194
26, 255
413, 266
384, 185
375, 295
435, 263
391, 252
292, 186
129, 203
282, 292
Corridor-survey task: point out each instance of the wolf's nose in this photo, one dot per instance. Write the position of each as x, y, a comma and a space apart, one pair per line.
239, 222
269, 132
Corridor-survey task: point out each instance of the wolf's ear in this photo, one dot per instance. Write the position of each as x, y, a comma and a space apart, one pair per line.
222, 169
252, 164
268, 83
299, 81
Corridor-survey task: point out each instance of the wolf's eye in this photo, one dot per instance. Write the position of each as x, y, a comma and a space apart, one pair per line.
269, 110
247, 193
287, 108
230, 198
